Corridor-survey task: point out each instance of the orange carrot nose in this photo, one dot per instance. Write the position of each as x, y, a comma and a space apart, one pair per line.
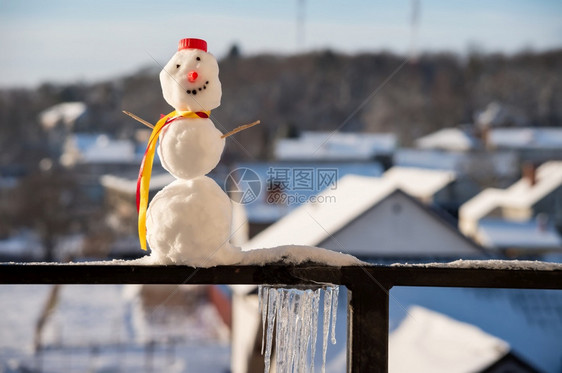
192, 76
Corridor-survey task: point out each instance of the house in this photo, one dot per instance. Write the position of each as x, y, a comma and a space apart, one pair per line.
60, 120
66, 114
377, 218
533, 205
428, 341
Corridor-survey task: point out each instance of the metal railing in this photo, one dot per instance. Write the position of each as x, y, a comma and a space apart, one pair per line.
368, 288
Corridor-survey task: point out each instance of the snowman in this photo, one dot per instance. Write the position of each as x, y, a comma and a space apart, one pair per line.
188, 221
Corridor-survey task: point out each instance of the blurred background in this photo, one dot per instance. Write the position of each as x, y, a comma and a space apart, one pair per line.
444, 118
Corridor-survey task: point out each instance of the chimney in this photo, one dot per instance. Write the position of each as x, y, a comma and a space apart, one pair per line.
529, 173
542, 222
485, 136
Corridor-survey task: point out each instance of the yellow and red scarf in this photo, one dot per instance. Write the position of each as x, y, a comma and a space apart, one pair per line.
143, 181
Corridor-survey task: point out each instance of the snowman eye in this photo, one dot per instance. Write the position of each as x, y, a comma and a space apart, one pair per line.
177, 66
198, 59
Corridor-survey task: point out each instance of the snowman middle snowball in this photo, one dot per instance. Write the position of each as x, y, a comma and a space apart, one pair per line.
190, 220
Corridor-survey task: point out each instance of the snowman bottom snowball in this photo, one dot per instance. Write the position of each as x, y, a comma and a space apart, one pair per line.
189, 222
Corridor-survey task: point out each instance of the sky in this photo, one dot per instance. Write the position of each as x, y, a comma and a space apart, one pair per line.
62, 41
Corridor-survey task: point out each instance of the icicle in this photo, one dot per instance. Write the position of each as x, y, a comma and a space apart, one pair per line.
282, 338
271, 307
293, 315
304, 340
263, 293
293, 332
314, 325
326, 325
260, 290
335, 312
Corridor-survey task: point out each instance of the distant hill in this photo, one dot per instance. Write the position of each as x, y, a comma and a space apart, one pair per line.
315, 91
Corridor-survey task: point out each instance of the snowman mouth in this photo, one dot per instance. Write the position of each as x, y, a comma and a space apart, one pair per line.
195, 90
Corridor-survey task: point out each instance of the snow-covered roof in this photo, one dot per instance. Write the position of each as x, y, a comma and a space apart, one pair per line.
482, 203
97, 148
419, 182
526, 138
335, 146
529, 235
428, 341
66, 112
311, 223
129, 186
453, 139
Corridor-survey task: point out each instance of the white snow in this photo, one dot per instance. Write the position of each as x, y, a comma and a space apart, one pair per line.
428, 341
298, 254
492, 264
231, 255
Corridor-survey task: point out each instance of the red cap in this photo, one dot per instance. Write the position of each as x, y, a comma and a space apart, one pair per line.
192, 44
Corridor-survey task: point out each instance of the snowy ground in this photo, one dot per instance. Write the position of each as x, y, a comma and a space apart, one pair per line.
99, 328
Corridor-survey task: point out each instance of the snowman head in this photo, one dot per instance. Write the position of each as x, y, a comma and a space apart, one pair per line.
190, 80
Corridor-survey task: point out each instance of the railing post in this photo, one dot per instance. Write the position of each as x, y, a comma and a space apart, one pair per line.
367, 329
